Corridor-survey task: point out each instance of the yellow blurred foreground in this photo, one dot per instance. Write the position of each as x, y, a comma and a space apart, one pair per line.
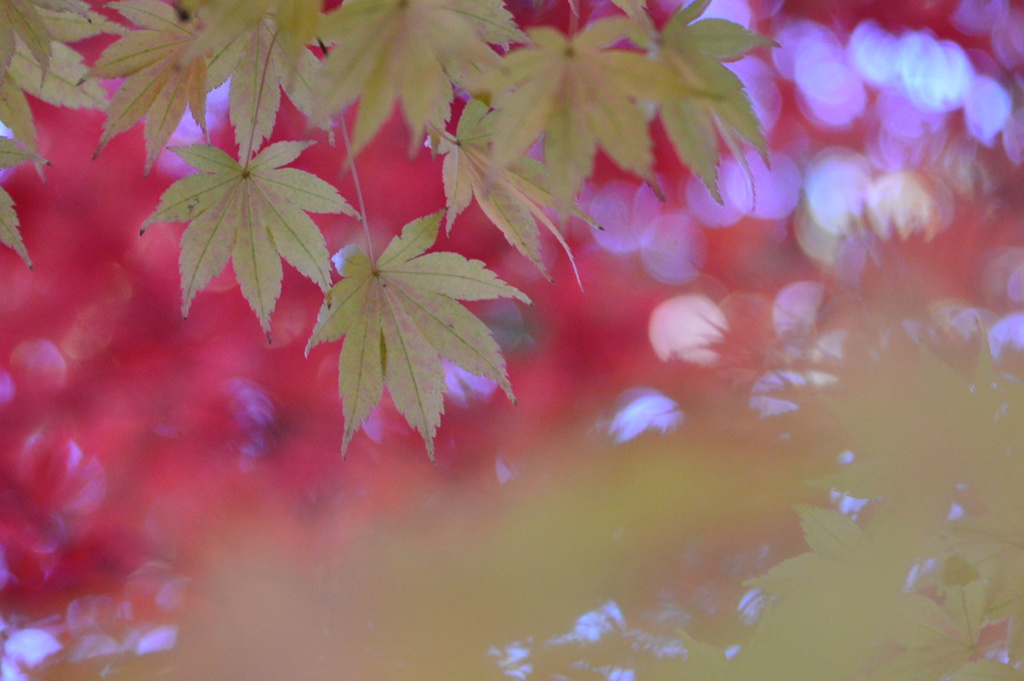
471, 583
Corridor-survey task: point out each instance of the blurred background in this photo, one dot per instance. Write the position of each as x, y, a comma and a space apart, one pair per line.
172, 495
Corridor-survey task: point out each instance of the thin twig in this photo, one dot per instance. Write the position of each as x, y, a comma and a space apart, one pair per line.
359, 189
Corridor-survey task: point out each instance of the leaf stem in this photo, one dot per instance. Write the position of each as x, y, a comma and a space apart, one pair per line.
359, 189
440, 132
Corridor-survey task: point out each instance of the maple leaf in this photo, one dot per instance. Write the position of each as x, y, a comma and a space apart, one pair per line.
8, 43
704, 662
79, 7
709, 97
224, 21
579, 94
634, 9
16, 114
854, 571
514, 200
987, 670
75, 21
74, 25
259, 75
938, 640
21, 19
933, 642
252, 215
52, 75
298, 23
996, 545
399, 316
916, 442
410, 51
62, 85
159, 82
11, 154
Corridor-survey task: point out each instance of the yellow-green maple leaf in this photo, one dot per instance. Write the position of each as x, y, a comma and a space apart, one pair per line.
410, 51
74, 24
933, 643
298, 23
704, 662
252, 215
221, 21
16, 113
938, 640
11, 155
634, 9
995, 544
260, 73
62, 85
158, 82
858, 573
399, 316
710, 100
916, 446
8, 43
21, 19
514, 200
987, 670
79, 7
33, 55
579, 94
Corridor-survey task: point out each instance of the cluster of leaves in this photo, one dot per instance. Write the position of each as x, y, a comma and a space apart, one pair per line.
915, 590
599, 87
35, 59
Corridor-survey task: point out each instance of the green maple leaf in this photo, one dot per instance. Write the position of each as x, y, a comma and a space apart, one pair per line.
252, 215
710, 100
16, 113
514, 200
579, 94
261, 71
11, 155
938, 640
851, 570
62, 85
22, 19
634, 9
409, 51
995, 544
56, 75
298, 23
987, 670
935, 430
79, 7
399, 316
224, 21
159, 81
76, 22
704, 662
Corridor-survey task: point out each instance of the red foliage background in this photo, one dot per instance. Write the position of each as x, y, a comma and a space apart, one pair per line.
126, 432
